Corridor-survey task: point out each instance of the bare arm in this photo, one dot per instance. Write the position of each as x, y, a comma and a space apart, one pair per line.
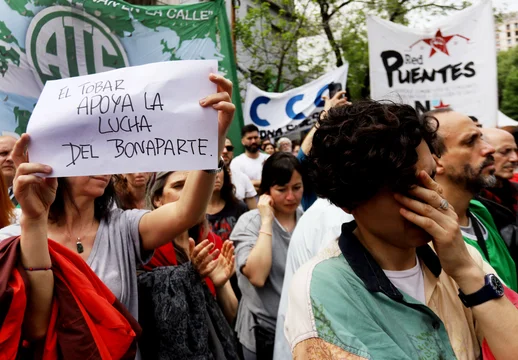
170, 220
35, 196
227, 301
308, 141
259, 262
160, 226
35, 253
251, 203
257, 184
219, 276
497, 319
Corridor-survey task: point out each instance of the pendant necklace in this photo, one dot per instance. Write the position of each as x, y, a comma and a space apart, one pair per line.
79, 246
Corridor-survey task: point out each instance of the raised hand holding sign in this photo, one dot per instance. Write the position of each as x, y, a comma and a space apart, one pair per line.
137, 119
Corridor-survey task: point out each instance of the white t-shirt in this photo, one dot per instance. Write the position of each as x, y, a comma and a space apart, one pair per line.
469, 231
319, 225
248, 166
410, 281
244, 187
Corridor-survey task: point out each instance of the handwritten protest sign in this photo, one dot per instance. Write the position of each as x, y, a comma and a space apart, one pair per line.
137, 119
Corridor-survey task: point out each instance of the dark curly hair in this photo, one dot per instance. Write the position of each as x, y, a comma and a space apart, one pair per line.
362, 148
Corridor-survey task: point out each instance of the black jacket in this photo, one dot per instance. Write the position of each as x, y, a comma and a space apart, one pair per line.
180, 318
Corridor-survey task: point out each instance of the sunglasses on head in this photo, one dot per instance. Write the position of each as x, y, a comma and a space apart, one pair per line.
229, 148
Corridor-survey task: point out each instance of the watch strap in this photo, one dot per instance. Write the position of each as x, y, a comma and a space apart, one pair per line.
488, 292
221, 163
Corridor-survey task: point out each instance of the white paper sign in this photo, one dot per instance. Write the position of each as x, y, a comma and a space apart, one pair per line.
277, 114
450, 64
135, 119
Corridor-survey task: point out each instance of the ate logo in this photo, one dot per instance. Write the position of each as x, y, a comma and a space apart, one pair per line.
439, 42
65, 42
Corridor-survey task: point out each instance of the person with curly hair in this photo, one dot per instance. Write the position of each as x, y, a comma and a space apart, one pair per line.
388, 287
284, 145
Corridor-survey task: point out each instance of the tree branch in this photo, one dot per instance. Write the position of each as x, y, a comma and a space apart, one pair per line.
400, 10
329, 33
444, 7
339, 7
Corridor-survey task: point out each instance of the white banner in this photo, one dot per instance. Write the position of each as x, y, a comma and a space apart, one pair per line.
451, 64
136, 119
276, 114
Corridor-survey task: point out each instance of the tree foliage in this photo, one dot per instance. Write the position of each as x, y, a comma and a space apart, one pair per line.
267, 37
273, 45
508, 82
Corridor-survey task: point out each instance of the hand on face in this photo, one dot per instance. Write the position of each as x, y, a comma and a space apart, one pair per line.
225, 267
34, 193
221, 101
441, 224
265, 206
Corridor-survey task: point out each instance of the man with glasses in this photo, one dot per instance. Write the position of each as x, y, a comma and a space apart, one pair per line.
504, 192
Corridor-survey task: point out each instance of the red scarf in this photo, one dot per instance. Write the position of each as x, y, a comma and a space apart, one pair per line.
86, 322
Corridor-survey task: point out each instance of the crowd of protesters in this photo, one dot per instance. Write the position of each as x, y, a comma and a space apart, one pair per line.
385, 234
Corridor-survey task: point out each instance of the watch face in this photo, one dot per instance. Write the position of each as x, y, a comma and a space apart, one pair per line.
497, 285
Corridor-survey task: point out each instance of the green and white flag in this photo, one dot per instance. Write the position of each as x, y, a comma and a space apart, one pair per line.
44, 40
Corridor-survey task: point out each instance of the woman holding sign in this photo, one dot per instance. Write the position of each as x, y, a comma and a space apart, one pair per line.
78, 215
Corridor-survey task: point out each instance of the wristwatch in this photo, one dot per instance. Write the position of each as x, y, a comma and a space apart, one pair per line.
220, 167
492, 289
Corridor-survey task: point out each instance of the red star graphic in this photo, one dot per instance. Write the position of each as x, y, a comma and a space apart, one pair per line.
441, 105
439, 42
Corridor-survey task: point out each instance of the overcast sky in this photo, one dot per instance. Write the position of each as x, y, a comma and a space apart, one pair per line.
416, 19
321, 46
510, 5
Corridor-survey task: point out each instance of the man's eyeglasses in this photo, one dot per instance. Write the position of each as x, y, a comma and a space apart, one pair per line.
229, 148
